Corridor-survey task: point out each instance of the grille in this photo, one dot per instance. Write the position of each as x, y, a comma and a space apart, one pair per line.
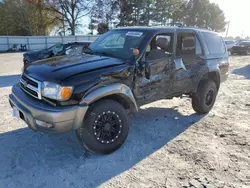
31, 86
29, 81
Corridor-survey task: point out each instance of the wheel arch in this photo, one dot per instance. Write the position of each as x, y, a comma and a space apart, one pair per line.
118, 92
213, 75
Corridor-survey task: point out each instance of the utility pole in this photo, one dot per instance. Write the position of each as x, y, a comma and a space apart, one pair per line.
242, 34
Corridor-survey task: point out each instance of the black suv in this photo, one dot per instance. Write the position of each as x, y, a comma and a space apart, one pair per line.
242, 47
93, 92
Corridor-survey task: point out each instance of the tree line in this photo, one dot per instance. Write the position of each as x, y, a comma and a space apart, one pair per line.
40, 17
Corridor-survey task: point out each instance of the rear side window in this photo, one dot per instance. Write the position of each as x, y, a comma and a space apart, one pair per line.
214, 43
188, 44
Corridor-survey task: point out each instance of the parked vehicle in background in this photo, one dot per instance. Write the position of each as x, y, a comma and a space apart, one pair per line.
93, 92
229, 44
55, 50
242, 48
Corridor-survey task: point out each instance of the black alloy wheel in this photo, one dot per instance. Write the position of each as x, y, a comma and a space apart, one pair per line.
209, 97
105, 127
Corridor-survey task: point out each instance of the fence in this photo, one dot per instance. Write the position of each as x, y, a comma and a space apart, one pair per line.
39, 42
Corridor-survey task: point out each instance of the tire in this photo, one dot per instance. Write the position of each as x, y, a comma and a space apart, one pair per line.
105, 127
203, 100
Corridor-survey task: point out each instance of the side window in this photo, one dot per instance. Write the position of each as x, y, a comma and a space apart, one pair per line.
188, 44
214, 43
161, 47
185, 44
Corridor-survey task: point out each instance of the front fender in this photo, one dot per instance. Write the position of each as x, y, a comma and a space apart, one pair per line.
107, 90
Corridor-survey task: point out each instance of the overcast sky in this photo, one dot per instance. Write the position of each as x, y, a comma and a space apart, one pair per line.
238, 13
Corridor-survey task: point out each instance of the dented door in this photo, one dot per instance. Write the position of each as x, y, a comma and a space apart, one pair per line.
158, 85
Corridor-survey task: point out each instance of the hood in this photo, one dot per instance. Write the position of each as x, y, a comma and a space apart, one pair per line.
59, 68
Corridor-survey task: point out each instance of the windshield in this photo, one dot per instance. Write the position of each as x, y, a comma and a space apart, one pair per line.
57, 47
117, 43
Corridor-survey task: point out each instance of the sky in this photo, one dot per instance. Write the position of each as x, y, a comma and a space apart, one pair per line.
238, 13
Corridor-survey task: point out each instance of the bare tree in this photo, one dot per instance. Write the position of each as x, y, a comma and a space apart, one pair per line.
70, 11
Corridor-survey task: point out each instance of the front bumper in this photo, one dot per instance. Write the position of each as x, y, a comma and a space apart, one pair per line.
63, 119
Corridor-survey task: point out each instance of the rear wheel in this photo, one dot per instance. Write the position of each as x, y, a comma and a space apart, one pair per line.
203, 100
105, 127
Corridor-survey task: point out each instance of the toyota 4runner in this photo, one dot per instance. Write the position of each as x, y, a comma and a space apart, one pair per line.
93, 92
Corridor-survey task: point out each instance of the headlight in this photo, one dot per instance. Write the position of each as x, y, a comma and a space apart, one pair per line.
57, 92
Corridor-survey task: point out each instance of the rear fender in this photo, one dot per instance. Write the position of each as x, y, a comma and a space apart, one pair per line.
213, 74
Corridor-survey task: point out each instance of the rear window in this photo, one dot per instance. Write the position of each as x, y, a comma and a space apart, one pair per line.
214, 43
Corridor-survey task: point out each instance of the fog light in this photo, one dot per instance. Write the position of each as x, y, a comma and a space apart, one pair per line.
44, 124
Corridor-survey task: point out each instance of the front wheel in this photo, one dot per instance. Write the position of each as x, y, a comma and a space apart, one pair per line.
203, 100
105, 127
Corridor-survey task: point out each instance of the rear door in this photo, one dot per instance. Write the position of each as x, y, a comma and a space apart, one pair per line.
189, 62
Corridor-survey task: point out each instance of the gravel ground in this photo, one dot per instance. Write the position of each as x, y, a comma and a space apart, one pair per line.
168, 146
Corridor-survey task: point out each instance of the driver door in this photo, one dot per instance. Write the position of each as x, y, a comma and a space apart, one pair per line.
154, 73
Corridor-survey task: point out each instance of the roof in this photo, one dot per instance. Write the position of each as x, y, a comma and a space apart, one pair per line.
144, 28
